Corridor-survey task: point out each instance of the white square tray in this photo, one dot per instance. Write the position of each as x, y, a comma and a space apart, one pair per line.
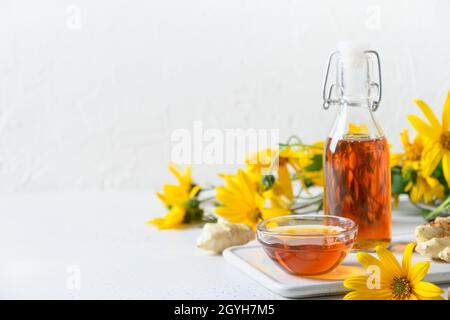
252, 260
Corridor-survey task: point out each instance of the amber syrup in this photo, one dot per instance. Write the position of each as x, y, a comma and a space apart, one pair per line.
358, 186
308, 257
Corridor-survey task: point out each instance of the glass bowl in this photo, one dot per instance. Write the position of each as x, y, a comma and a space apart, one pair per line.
307, 245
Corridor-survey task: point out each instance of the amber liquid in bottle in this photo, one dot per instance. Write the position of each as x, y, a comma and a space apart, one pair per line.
358, 186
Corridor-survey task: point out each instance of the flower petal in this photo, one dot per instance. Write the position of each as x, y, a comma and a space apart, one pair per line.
161, 197
407, 254
416, 193
446, 113
381, 294
429, 114
431, 156
356, 283
432, 182
268, 213
423, 128
418, 271
356, 295
284, 178
367, 260
427, 289
409, 186
405, 139
176, 172
246, 185
244, 188
419, 297
388, 261
172, 219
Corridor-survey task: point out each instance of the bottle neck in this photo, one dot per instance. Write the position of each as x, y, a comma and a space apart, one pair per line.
353, 80
356, 119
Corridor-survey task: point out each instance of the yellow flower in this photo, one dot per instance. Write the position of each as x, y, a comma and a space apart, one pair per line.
412, 150
303, 161
176, 194
172, 219
437, 146
420, 187
180, 199
425, 188
176, 215
260, 163
314, 152
242, 203
396, 282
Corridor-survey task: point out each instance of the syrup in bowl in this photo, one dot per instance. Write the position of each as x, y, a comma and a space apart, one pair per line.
307, 245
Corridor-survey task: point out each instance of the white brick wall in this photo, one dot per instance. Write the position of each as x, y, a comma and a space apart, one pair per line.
89, 101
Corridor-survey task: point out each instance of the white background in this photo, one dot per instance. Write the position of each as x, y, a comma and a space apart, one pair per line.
91, 91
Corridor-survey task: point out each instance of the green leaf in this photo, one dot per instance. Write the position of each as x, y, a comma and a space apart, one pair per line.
192, 203
194, 214
317, 163
193, 211
398, 183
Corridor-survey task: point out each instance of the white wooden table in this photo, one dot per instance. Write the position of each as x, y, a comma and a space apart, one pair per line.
97, 246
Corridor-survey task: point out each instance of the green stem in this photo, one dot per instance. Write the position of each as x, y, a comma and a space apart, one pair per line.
441, 208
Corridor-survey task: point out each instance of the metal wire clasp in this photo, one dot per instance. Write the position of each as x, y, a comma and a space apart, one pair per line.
328, 94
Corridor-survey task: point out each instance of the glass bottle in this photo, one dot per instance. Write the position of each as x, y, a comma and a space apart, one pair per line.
356, 155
